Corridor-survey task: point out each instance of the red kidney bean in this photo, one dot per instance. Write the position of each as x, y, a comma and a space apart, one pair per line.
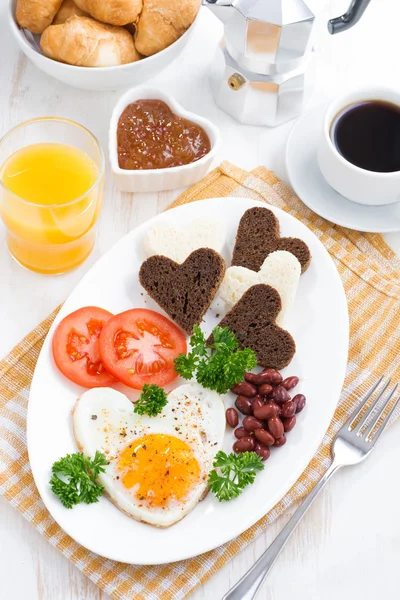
243, 405
280, 441
262, 451
280, 395
244, 389
288, 409
290, 382
258, 378
272, 376
275, 427
264, 437
251, 423
258, 402
288, 424
232, 418
265, 389
300, 402
251, 378
240, 432
267, 411
245, 444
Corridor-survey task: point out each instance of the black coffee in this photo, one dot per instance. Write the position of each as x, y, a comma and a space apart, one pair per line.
367, 134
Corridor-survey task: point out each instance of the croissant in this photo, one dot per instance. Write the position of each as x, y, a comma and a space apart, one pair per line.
36, 15
114, 12
68, 9
84, 42
162, 22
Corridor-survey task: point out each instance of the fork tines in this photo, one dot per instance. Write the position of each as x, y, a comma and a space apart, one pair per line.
370, 419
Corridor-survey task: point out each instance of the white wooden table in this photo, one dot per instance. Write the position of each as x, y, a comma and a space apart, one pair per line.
349, 543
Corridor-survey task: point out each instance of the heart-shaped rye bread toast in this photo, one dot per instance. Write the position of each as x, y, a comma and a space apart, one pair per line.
184, 291
252, 320
258, 235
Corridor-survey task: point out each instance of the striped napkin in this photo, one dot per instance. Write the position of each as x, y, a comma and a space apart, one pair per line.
370, 272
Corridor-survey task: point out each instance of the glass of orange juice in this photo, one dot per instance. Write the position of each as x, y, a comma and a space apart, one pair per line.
51, 191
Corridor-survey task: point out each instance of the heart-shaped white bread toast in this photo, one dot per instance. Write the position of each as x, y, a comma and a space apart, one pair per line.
281, 270
176, 243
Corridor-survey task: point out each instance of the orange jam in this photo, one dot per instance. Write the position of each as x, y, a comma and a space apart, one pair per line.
151, 136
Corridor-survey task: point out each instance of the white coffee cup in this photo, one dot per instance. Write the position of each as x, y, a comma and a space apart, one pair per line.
357, 184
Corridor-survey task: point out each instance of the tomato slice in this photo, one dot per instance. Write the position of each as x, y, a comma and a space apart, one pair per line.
76, 347
138, 346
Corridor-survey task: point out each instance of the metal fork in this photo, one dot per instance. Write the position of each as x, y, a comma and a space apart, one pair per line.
352, 445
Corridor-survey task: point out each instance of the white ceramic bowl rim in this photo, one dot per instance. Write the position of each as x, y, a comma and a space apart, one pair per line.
65, 66
143, 92
377, 93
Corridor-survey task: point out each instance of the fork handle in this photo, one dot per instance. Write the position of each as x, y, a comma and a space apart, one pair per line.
247, 587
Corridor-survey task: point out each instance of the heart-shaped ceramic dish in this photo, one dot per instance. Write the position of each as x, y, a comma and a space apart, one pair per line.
157, 180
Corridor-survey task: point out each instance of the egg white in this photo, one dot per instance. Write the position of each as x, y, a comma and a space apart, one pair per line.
103, 419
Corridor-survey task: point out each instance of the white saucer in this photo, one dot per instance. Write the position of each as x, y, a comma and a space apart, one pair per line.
309, 184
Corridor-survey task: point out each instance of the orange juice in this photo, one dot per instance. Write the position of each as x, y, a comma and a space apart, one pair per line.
49, 203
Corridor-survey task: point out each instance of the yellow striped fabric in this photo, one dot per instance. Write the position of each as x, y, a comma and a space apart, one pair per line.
370, 272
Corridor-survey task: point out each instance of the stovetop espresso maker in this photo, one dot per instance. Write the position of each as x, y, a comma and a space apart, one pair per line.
259, 72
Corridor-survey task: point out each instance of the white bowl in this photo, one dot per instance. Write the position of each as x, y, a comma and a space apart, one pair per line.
101, 78
157, 180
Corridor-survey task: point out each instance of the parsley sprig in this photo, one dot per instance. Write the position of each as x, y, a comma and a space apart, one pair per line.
232, 473
74, 476
218, 366
151, 401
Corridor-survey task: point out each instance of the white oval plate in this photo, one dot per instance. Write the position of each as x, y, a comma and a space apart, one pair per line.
320, 327
309, 184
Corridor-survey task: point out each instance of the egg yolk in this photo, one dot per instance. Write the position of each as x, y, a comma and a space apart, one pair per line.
162, 466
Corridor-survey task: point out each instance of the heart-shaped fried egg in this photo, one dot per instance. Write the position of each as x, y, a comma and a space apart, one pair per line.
158, 466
